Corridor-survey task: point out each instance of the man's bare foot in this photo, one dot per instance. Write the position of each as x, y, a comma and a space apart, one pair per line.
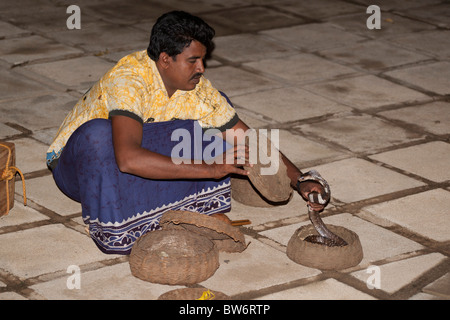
222, 216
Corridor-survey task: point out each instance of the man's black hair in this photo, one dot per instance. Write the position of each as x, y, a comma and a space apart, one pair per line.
175, 30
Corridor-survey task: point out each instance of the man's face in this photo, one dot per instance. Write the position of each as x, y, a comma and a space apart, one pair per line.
184, 72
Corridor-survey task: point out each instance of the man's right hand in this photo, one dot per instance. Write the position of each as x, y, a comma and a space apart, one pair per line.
231, 161
132, 158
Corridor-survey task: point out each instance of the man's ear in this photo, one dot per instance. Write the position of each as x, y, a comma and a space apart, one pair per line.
164, 60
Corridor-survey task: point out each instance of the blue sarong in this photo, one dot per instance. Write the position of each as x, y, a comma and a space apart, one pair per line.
120, 207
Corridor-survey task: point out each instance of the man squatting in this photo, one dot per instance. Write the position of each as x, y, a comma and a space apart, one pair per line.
112, 152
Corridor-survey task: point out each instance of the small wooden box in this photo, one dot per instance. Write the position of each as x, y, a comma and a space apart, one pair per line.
6, 186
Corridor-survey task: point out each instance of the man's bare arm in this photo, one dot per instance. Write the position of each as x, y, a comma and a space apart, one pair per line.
132, 158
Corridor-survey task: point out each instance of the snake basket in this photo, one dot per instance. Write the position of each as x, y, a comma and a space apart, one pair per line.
7, 159
174, 257
321, 256
226, 237
193, 294
7, 177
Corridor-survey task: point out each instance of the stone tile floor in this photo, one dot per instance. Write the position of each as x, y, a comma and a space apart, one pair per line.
370, 109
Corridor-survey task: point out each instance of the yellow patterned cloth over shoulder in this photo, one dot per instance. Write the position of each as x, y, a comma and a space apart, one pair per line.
133, 87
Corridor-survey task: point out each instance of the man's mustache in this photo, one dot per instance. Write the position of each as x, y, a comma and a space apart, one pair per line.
197, 76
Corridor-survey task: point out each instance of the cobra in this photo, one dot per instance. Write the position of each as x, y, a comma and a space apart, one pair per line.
325, 237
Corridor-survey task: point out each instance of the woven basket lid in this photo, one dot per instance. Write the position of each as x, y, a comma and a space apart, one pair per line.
243, 191
192, 294
274, 186
215, 229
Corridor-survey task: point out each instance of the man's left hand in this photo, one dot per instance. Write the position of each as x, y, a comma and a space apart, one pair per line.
306, 187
